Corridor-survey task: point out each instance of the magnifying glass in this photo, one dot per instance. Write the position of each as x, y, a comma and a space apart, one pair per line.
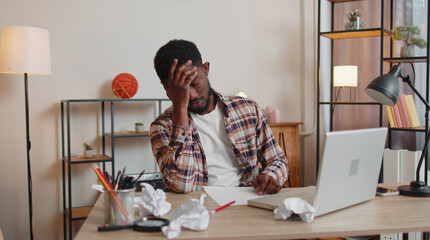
150, 224
146, 224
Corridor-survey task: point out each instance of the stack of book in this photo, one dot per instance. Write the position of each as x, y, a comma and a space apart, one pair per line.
400, 165
404, 113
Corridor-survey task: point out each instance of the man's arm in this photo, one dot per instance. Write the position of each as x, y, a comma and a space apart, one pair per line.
275, 165
172, 142
172, 146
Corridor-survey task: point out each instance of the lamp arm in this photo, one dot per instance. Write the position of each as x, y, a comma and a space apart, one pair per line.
408, 81
424, 150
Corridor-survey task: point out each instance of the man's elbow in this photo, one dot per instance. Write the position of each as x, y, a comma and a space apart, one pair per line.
177, 187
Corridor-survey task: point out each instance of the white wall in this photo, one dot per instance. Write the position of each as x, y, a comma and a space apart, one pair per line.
265, 48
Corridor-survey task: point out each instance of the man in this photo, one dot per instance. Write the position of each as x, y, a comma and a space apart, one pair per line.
206, 138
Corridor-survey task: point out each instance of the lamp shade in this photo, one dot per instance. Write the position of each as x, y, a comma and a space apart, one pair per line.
25, 50
385, 89
345, 76
241, 94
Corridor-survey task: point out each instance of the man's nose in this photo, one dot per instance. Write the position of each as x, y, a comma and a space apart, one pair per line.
193, 94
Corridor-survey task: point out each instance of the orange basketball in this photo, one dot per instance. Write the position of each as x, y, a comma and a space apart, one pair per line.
124, 85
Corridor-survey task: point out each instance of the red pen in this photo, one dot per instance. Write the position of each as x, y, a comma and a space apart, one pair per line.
222, 207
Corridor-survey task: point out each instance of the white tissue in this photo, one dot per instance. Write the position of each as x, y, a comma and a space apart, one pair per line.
98, 187
297, 206
192, 215
152, 202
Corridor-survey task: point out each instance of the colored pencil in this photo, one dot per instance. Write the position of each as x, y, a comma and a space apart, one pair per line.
222, 207
120, 207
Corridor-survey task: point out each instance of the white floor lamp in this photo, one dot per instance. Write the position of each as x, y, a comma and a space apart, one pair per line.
25, 50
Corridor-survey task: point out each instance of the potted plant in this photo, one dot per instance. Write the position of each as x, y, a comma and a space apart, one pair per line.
88, 150
354, 20
406, 33
139, 127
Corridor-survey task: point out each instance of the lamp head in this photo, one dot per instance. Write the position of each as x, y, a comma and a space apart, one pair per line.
385, 89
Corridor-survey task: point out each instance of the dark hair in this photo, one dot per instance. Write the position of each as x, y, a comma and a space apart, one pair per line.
180, 49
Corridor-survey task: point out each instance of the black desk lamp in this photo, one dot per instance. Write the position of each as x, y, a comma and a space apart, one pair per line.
385, 89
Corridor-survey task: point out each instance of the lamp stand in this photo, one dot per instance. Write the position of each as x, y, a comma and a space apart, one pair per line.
417, 188
27, 129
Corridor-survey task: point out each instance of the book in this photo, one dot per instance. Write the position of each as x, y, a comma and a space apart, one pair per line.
401, 114
390, 116
415, 236
403, 110
412, 111
391, 165
408, 165
401, 165
396, 112
393, 116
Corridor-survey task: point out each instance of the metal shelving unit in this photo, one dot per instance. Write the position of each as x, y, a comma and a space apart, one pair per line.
73, 213
335, 35
380, 32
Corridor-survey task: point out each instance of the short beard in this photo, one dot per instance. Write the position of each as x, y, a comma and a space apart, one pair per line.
205, 107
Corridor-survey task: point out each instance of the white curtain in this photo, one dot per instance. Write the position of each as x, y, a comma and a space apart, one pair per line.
414, 12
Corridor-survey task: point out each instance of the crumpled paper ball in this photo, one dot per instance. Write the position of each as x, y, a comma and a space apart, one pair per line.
297, 206
192, 215
152, 202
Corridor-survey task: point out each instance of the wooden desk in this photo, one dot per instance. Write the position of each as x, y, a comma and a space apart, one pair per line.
380, 215
291, 141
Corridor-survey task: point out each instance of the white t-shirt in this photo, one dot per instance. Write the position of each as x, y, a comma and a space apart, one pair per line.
223, 168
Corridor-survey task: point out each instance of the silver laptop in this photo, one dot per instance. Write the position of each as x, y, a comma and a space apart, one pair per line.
348, 173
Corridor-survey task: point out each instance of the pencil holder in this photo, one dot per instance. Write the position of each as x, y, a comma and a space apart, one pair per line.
119, 207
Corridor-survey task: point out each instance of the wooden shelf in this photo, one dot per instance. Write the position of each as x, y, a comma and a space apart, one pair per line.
126, 134
374, 32
339, 1
82, 159
80, 212
117, 100
283, 124
350, 103
408, 59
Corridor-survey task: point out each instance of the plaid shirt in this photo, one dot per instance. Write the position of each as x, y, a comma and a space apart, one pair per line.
181, 157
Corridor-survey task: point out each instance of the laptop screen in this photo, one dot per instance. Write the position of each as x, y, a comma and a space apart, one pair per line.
349, 170
348, 174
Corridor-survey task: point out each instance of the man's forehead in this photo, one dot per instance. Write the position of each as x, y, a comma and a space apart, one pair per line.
182, 60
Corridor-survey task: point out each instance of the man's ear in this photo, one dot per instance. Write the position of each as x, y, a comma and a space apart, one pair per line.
206, 68
166, 88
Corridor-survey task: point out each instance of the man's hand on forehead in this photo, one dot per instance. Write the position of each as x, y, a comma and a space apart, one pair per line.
178, 89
